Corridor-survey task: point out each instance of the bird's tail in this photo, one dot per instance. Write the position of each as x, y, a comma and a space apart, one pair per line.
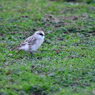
15, 48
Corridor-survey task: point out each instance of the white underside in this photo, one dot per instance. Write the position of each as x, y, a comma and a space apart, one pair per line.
25, 47
36, 46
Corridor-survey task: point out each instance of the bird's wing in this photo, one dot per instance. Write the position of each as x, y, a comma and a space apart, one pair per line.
30, 40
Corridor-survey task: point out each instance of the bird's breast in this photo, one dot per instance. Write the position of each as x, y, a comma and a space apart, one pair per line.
37, 45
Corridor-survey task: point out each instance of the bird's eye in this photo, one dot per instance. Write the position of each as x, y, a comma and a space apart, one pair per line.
41, 34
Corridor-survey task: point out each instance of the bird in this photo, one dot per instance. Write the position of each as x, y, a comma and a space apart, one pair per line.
32, 43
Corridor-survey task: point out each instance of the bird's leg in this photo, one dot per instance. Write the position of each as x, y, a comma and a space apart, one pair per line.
32, 54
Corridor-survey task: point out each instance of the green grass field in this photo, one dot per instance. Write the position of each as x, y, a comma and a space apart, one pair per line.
65, 63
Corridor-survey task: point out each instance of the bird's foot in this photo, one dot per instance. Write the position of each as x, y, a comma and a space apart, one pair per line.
31, 54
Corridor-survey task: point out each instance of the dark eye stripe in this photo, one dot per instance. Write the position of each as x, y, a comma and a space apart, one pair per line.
41, 34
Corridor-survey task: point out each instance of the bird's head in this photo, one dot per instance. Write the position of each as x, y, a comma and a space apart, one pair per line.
40, 34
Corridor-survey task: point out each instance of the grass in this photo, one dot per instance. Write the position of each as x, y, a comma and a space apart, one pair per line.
64, 65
